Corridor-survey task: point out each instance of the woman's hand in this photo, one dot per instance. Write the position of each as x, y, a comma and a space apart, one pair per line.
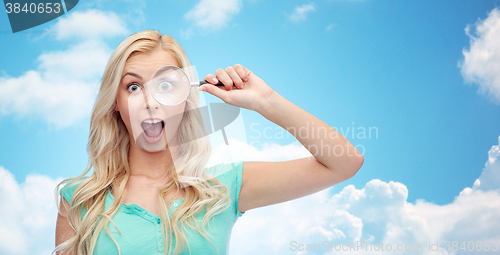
242, 88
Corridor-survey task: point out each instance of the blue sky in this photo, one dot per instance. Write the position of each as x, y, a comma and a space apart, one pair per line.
390, 65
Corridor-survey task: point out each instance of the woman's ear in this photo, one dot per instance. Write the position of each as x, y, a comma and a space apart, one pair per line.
116, 107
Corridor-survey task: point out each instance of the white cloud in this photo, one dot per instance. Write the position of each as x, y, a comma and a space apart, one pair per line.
28, 215
63, 87
213, 14
241, 151
490, 177
300, 12
378, 213
94, 24
481, 63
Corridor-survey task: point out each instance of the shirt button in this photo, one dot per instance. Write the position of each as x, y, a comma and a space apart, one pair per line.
175, 204
158, 221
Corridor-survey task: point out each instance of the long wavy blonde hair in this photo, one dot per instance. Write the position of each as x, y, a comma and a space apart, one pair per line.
108, 150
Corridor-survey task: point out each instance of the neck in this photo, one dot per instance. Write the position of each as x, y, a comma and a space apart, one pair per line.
150, 168
152, 165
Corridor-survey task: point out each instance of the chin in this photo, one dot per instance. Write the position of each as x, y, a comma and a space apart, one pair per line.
150, 147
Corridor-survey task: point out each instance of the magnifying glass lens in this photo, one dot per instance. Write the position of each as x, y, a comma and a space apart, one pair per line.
170, 85
165, 86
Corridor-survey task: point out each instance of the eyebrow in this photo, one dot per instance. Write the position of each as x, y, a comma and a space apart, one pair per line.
133, 74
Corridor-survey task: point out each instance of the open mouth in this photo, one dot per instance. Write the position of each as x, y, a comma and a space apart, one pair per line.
153, 130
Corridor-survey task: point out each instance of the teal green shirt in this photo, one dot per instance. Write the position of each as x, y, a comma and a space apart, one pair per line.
141, 232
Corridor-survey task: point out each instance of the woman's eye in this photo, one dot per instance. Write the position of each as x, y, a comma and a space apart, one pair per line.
164, 86
133, 87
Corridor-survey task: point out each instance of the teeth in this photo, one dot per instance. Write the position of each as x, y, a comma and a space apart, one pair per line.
152, 121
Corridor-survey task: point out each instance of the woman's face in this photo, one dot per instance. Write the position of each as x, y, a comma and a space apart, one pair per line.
151, 126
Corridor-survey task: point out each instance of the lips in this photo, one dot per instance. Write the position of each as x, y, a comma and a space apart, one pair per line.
153, 127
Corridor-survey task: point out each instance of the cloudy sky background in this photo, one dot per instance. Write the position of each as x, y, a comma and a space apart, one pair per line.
423, 76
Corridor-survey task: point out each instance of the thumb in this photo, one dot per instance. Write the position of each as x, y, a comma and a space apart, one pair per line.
214, 90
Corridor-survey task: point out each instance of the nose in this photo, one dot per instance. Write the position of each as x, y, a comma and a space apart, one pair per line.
149, 102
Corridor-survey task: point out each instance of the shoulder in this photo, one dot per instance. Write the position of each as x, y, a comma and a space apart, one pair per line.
231, 175
227, 173
70, 186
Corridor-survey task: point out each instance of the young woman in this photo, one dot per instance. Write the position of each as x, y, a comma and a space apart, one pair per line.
149, 192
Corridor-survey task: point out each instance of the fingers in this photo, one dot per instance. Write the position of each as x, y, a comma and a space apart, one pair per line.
214, 90
243, 72
211, 79
235, 77
224, 78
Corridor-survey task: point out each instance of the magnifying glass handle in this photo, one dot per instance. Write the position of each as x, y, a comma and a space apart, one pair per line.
206, 82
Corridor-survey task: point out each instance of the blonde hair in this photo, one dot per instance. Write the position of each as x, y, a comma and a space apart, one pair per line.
108, 149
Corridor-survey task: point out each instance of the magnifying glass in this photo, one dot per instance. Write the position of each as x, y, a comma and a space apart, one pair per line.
170, 85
